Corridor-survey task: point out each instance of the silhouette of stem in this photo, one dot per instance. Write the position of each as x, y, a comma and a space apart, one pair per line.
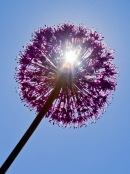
33, 126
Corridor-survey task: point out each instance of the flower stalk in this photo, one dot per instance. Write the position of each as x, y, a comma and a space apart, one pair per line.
60, 82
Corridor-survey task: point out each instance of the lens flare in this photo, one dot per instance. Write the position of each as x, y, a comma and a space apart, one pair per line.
70, 56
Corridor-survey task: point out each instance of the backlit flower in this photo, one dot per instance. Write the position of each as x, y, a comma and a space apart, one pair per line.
81, 54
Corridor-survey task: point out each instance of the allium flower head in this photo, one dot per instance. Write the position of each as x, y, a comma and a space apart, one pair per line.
90, 76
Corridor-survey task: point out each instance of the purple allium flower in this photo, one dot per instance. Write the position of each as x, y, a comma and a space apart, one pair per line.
81, 54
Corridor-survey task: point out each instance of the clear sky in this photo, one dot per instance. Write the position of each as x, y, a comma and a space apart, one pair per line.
101, 148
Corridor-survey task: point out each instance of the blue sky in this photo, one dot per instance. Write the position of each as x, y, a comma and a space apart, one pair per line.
101, 148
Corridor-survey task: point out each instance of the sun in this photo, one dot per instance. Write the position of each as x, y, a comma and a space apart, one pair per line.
70, 56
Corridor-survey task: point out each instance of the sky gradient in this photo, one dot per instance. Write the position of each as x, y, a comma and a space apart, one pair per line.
101, 148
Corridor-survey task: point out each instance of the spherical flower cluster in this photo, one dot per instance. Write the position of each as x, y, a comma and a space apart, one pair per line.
81, 53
